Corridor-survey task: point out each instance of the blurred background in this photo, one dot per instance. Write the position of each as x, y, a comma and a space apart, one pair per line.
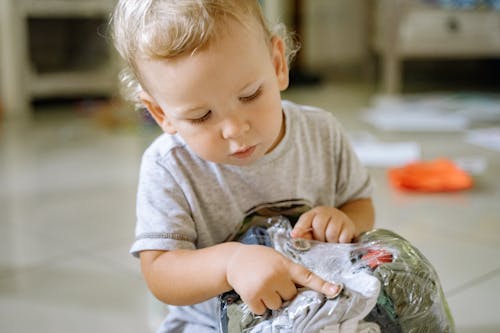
411, 80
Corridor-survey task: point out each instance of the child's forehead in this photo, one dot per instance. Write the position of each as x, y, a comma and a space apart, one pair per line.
231, 62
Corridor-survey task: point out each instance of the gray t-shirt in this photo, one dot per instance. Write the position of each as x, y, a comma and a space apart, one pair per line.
184, 202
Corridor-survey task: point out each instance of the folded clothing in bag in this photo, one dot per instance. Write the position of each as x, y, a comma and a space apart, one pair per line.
389, 286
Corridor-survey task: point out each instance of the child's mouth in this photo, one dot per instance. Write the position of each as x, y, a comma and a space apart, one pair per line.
244, 153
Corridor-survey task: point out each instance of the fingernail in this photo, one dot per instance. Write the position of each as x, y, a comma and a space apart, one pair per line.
334, 290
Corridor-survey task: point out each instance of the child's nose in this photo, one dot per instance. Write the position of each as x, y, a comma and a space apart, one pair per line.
234, 127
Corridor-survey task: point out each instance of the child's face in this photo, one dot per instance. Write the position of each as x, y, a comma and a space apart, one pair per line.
224, 100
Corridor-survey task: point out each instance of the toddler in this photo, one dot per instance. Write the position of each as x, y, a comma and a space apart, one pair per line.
210, 73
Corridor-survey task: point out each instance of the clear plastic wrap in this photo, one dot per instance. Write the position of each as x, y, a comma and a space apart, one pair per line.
388, 286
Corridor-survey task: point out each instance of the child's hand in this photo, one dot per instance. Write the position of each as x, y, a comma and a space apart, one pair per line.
264, 278
325, 224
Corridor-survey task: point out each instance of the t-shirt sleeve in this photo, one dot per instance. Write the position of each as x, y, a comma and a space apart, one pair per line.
353, 179
164, 220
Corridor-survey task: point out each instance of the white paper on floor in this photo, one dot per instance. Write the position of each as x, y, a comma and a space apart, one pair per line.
387, 154
476, 107
374, 153
475, 165
404, 116
432, 112
485, 137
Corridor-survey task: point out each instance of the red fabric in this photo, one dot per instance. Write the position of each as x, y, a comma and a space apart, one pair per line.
374, 258
440, 175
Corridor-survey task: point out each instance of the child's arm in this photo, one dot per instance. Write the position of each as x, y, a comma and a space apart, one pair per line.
262, 277
342, 225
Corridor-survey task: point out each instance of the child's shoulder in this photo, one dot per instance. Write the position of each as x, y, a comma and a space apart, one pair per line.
306, 114
163, 146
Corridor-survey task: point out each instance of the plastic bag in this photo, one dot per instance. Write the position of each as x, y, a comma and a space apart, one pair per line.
389, 286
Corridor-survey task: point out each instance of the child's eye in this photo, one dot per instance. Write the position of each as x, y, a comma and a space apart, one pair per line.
202, 118
251, 97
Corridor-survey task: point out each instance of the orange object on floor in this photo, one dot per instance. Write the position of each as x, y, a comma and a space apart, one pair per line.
440, 175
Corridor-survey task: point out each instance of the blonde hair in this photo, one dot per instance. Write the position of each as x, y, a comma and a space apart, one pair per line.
158, 29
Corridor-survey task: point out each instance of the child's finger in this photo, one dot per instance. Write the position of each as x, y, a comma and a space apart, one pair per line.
346, 236
273, 301
303, 225
332, 232
306, 234
306, 278
256, 307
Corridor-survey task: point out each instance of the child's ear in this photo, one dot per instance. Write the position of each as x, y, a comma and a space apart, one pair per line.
157, 113
279, 62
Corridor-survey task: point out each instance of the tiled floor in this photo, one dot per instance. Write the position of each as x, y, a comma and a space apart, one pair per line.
67, 189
